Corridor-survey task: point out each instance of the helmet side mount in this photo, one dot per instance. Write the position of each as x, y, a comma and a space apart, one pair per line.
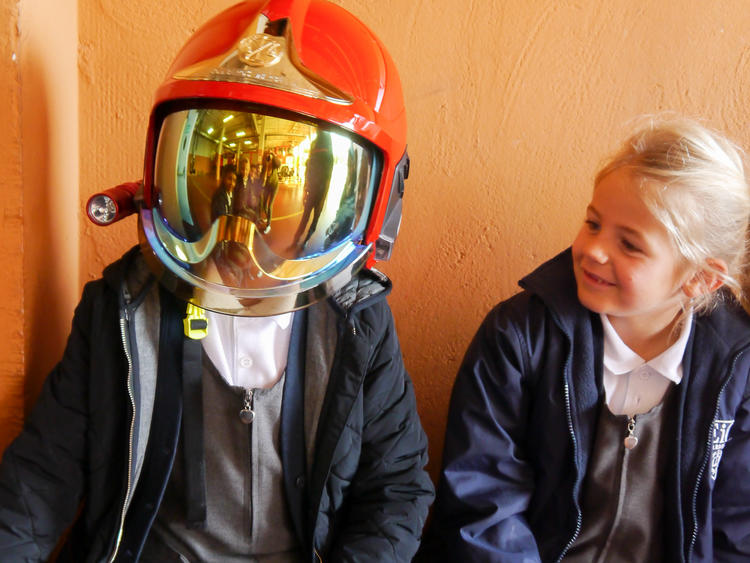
392, 219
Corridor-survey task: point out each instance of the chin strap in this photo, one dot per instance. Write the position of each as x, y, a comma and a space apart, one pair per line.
195, 327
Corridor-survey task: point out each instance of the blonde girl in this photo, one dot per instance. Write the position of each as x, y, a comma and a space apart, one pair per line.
603, 413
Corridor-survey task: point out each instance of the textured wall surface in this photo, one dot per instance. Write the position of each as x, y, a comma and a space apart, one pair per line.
50, 151
125, 49
11, 226
511, 106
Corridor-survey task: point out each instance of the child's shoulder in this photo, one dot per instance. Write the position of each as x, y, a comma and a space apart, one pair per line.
531, 318
728, 321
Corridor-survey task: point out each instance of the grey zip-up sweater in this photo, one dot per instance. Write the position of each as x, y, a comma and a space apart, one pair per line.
98, 448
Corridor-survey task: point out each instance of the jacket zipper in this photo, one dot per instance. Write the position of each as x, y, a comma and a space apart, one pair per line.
569, 415
249, 403
349, 325
706, 456
126, 347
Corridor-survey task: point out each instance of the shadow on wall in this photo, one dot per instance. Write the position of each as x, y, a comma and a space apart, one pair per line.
47, 265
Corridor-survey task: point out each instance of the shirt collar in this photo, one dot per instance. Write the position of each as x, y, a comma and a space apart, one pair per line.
620, 359
282, 321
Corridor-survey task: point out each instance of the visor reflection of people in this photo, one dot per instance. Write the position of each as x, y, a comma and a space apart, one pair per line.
222, 200
228, 163
221, 397
347, 210
270, 175
317, 178
246, 191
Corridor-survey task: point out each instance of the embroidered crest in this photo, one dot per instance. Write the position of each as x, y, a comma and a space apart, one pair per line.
719, 437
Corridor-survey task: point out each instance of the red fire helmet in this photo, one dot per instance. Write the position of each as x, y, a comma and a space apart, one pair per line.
275, 159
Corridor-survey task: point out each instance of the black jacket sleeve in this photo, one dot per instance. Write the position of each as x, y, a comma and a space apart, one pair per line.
390, 496
42, 472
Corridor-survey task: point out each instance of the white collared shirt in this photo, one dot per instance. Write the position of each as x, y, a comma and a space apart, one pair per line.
632, 385
248, 352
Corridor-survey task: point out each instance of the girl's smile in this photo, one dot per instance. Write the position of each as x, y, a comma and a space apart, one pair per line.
625, 263
596, 281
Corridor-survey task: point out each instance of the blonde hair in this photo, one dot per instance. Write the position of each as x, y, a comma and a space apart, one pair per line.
693, 181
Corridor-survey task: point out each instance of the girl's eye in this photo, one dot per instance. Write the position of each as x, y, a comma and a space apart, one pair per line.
629, 246
592, 225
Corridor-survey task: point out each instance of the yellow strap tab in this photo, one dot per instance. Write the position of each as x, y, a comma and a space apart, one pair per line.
195, 322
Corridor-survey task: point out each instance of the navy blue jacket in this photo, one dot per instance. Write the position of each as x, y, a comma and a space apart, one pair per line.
521, 431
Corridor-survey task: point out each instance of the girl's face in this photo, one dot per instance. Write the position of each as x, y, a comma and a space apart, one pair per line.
624, 262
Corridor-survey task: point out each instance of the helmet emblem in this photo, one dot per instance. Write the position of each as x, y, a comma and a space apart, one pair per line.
260, 50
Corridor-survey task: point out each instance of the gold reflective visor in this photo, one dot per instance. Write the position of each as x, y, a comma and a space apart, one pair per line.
251, 200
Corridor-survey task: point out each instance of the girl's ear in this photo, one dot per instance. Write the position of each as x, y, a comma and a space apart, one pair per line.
707, 279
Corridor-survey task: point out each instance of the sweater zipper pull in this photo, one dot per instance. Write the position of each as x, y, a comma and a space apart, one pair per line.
631, 440
247, 414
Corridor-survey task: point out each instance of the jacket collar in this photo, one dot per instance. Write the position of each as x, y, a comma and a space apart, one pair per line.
129, 277
364, 289
554, 283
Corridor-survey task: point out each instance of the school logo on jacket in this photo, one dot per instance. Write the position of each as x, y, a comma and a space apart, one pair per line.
719, 437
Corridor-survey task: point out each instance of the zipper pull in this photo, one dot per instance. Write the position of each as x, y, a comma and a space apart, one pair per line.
247, 414
631, 440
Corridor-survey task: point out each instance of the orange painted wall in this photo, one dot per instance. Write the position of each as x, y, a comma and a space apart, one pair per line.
511, 106
11, 226
50, 147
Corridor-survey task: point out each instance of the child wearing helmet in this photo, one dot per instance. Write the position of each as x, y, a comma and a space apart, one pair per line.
602, 414
225, 394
